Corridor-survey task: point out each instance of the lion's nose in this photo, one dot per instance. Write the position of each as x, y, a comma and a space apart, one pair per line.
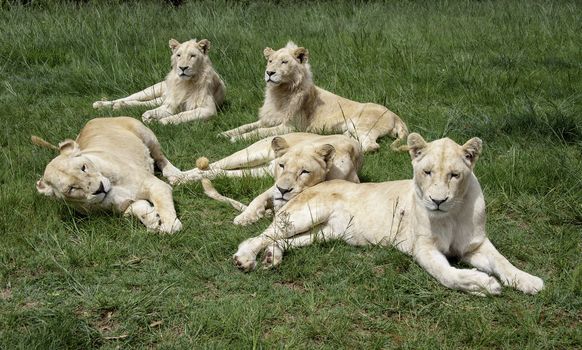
439, 201
269, 73
284, 190
183, 68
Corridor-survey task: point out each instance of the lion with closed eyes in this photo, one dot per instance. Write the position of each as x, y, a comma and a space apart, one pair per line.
301, 161
110, 166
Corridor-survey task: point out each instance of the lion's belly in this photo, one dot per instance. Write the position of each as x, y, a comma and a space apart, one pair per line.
111, 140
334, 111
373, 214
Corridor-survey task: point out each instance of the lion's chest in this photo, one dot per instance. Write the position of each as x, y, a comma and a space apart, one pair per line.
184, 98
453, 237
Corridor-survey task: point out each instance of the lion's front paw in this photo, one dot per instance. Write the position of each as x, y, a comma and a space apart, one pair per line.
244, 262
246, 218
225, 134
479, 283
102, 104
493, 286
151, 220
174, 178
273, 256
147, 117
527, 283
172, 226
171, 172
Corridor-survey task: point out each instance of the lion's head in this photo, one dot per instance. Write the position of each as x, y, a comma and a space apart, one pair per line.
73, 177
189, 57
443, 171
299, 168
288, 65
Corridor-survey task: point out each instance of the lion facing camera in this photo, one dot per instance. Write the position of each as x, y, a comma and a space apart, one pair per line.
192, 90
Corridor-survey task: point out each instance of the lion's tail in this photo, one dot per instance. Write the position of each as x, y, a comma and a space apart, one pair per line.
400, 131
211, 192
42, 143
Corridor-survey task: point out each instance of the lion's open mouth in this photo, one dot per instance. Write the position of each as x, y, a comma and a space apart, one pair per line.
100, 190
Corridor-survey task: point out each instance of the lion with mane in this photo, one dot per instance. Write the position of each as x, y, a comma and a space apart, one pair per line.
293, 102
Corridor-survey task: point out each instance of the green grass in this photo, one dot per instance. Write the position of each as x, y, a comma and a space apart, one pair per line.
508, 72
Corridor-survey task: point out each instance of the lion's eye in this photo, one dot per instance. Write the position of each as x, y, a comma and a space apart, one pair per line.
192, 56
281, 165
270, 61
304, 172
178, 55
84, 168
284, 62
427, 172
455, 175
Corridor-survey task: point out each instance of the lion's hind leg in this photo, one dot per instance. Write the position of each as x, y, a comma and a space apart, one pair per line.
145, 212
150, 140
251, 161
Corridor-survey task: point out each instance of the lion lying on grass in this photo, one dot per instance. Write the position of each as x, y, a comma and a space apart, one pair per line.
111, 167
439, 213
292, 101
309, 160
191, 91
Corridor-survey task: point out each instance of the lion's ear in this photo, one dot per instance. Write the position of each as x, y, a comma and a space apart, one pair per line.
204, 45
267, 52
43, 188
416, 144
301, 54
174, 44
69, 148
327, 152
279, 146
472, 150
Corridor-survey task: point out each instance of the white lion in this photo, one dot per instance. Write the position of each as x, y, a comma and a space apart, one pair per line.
292, 101
191, 91
309, 160
111, 167
439, 213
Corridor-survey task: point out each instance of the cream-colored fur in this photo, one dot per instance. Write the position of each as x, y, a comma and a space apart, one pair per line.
293, 102
306, 163
439, 213
111, 167
191, 91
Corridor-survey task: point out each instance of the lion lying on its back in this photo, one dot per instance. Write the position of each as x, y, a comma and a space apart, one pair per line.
292, 101
439, 213
111, 167
192, 90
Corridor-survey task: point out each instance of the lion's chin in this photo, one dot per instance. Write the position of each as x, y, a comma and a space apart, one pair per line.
437, 213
